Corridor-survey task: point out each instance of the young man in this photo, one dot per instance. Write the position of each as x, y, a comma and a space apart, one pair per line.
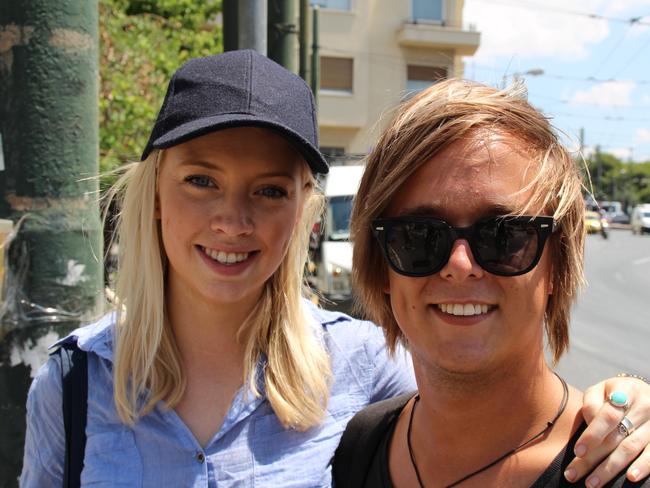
468, 237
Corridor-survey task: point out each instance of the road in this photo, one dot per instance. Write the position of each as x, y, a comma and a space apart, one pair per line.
610, 326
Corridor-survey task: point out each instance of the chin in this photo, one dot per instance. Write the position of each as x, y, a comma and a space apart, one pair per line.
463, 361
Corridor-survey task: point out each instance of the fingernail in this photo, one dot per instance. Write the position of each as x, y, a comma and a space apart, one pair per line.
580, 450
593, 482
570, 474
634, 474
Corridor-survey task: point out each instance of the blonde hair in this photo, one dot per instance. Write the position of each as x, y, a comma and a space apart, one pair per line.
428, 123
147, 366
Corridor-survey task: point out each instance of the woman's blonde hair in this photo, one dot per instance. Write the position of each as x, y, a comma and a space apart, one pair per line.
147, 366
423, 126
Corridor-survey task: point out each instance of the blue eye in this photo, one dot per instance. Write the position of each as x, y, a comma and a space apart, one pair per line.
200, 181
273, 192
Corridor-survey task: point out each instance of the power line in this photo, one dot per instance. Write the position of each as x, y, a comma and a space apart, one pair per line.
536, 6
627, 65
588, 79
397, 60
612, 50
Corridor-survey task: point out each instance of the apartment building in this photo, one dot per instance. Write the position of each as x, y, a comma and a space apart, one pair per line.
376, 52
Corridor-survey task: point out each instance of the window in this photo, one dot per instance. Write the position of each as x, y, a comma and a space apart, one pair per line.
336, 74
332, 4
427, 10
332, 152
420, 77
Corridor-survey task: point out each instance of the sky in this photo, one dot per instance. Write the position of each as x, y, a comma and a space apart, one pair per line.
595, 60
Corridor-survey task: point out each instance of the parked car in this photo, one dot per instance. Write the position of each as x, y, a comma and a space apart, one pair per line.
618, 218
640, 220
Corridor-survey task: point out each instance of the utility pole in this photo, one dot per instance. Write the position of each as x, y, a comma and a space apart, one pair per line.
283, 33
244, 25
230, 13
304, 41
582, 141
49, 189
315, 55
252, 22
599, 172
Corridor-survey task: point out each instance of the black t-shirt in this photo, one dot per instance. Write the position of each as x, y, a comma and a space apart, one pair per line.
361, 461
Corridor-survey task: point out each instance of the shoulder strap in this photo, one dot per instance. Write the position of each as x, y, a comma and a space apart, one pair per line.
360, 441
74, 380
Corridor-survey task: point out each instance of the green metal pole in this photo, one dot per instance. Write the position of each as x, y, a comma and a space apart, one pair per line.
49, 130
282, 33
230, 25
304, 41
315, 56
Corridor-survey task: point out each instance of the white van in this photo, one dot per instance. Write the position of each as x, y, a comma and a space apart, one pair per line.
334, 264
640, 220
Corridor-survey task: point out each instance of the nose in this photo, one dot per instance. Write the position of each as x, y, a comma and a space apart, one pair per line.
461, 265
233, 216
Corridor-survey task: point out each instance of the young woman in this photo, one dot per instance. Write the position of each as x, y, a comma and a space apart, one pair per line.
213, 370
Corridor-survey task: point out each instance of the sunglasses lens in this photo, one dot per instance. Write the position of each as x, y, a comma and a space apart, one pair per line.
506, 247
417, 248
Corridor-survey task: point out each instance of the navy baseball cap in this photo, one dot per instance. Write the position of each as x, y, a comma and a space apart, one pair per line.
237, 89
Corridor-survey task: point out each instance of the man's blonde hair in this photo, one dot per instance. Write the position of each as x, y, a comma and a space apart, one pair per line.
423, 126
147, 366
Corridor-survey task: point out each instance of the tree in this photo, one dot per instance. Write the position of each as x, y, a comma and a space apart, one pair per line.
614, 179
142, 43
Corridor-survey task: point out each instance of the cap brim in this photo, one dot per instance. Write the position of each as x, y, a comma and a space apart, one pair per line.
203, 126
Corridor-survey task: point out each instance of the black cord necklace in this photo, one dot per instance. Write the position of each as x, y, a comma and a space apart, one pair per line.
563, 404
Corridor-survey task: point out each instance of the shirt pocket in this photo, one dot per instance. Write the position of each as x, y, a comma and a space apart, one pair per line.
112, 460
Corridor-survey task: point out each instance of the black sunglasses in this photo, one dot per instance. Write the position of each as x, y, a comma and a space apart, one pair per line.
504, 246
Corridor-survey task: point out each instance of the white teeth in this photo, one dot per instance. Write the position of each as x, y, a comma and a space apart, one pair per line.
226, 257
463, 309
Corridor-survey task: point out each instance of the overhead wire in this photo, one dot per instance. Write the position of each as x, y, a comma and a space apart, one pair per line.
536, 6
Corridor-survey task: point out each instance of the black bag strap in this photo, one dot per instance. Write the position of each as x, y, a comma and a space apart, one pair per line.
361, 439
74, 381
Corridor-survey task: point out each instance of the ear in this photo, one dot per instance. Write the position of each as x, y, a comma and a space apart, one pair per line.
156, 203
386, 286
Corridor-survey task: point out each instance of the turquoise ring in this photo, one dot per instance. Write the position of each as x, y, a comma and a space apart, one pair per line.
619, 399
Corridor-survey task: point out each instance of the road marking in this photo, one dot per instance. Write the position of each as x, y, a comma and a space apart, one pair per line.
641, 261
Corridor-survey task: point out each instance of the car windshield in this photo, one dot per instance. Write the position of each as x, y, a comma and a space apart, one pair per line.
646, 214
339, 214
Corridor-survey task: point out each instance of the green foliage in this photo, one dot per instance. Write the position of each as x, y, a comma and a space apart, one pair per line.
614, 179
142, 43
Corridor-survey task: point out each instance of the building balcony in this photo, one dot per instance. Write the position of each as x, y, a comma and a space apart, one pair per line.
439, 36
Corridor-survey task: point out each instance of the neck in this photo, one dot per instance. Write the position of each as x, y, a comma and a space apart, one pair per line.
483, 416
206, 332
527, 389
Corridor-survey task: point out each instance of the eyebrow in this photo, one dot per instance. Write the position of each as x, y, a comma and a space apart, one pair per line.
437, 210
202, 164
214, 167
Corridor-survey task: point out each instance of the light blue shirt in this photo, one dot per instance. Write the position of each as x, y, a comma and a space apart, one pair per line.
250, 449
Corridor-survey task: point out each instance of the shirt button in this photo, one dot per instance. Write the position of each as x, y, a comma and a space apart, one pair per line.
200, 457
